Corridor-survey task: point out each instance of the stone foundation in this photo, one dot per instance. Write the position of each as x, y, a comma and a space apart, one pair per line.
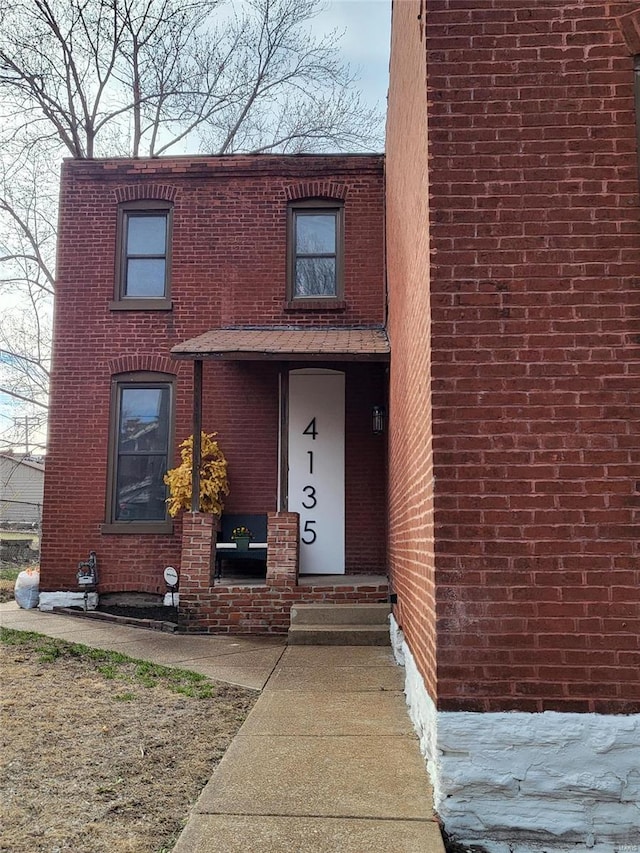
49, 600
529, 783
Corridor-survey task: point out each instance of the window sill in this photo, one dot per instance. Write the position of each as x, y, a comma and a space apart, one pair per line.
315, 305
141, 305
127, 528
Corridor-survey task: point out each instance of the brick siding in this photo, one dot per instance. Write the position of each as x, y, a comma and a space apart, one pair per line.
254, 609
535, 250
229, 267
411, 556
225, 607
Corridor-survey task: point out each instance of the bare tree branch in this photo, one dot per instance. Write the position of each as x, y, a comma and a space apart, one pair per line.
20, 397
96, 78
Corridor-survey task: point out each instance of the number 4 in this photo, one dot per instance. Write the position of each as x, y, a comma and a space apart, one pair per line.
311, 429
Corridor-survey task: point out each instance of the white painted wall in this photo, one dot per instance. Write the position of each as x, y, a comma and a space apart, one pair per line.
529, 783
49, 600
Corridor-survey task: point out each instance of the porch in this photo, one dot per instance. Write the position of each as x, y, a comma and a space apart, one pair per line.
259, 605
321, 456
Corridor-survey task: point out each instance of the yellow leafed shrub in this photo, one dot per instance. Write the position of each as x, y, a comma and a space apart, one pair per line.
213, 477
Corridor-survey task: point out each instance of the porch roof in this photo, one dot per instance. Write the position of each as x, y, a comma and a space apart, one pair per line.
283, 343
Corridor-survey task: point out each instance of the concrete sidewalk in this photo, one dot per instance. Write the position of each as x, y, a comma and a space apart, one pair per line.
326, 762
246, 662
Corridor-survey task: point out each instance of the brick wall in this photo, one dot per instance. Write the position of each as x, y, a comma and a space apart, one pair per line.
255, 608
229, 252
410, 430
283, 549
535, 253
265, 610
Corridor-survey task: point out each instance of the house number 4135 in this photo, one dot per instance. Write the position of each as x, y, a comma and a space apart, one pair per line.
310, 501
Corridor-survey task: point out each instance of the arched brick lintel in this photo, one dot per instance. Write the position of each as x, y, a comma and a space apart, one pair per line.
316, 189
629, 26
144, 191
147, 363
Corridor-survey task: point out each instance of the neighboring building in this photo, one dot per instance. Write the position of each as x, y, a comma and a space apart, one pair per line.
21, 491
270, 270
21, 496
513, 251
503, 498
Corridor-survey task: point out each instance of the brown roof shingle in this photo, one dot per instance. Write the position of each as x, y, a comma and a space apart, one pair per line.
285, 343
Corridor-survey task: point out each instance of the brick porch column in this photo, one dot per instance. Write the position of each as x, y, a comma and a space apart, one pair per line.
197, 552
282, 548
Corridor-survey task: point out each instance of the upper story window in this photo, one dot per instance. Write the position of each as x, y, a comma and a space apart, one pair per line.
316, 252
139, 453
143, 261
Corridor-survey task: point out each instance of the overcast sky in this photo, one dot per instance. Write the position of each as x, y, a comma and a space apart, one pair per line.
365, 44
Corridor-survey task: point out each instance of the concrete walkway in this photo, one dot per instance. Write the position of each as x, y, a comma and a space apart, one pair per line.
245, 662
326, 762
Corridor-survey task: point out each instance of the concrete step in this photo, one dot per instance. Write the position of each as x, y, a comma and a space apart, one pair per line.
339, 624
341, 614
339, 635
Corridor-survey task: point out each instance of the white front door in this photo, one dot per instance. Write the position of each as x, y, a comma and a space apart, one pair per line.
316, 467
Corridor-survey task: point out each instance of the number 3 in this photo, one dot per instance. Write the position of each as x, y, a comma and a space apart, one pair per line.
311, 494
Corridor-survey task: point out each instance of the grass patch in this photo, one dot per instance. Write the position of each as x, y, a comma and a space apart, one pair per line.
124, 697
114, 665
108, 670
9, 573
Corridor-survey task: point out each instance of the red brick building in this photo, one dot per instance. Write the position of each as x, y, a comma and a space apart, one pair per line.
503, 499
279, 263
513, 250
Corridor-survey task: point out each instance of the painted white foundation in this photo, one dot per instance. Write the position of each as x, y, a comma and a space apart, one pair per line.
49, 600
168, 602
529, 783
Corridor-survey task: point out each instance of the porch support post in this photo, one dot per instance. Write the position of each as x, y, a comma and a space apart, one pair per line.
197, 430
283, 472
283, 548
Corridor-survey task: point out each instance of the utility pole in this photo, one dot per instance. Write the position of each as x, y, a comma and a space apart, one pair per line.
19, 427
18, 423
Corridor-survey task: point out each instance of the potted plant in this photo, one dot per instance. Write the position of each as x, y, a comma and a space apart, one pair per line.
241, 536
214, 485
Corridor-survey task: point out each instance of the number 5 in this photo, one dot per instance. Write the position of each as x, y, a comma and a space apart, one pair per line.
308, 529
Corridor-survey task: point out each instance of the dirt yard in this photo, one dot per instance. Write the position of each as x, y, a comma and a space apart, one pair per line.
100, 754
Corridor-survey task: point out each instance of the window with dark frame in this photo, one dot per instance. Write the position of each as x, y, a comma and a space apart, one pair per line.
143, 255
315, 241
140, 452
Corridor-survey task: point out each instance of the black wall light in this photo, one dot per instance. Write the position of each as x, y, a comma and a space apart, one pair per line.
378, 417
